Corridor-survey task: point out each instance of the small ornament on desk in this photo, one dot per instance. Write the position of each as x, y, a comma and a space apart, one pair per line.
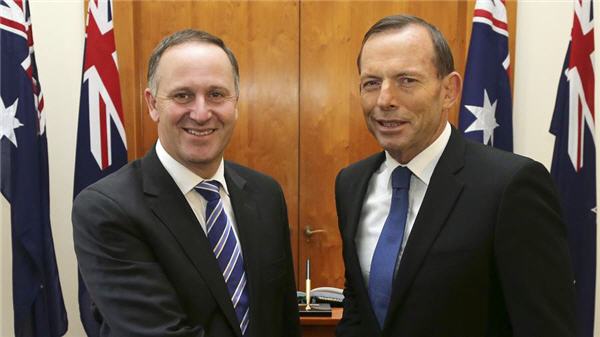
315, 309
307, 306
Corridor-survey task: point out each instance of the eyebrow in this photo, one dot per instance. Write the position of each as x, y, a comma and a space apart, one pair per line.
368, 76
188, 88
400, 74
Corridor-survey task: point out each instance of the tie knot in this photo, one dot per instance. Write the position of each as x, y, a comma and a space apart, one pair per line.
401, 177
209, 189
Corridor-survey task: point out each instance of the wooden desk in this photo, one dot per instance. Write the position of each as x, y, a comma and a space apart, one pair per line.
321, 326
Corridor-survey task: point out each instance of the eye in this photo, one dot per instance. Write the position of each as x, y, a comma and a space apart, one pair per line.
217, 96
370, 85
406, 81
182, 97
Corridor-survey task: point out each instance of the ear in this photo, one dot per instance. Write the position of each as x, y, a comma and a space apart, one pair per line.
151, 103
237, 104
452, 85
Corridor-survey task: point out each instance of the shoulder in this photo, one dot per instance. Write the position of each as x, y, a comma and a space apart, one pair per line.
491, 155
485, 158
256, 179
488, 168
119, 185
365, 166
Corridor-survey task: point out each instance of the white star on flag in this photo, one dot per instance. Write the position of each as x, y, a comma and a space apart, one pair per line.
485, 118
8, 121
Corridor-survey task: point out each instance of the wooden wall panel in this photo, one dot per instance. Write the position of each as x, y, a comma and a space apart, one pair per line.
330, 125
131, 95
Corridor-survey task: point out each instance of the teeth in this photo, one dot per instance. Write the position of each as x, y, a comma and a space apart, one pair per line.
390, 124
200, 133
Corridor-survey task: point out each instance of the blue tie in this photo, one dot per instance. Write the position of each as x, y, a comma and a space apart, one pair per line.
227, 250
383, 265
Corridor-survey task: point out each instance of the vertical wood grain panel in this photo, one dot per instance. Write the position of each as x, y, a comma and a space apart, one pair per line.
325, 81
124, 22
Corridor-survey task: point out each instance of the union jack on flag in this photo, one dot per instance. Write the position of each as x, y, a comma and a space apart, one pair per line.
101, 142
486, 105
574, 159
38, 306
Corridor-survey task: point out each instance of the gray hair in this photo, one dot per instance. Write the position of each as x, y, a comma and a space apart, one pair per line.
185, 36
443, 60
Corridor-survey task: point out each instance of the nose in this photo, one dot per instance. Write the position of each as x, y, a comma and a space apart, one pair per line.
200, 110
387, 99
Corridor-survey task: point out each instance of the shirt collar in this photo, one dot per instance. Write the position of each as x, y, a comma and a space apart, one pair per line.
423, 164
184, 178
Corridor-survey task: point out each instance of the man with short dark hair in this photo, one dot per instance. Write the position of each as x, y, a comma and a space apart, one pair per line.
443, 237
173, 244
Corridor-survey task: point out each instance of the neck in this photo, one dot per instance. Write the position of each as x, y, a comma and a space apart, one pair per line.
206, 171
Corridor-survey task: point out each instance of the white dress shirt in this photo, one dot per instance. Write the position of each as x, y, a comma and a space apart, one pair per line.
186, 180
379, 198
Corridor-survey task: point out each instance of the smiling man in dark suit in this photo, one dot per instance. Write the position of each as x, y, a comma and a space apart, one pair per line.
173, 244
443, 237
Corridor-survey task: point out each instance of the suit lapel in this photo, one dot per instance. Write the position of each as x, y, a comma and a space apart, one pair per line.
247, 218
356, 193
359, 187
443, 191
172, 209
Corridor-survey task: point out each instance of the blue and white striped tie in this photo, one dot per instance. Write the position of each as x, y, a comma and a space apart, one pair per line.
227, 249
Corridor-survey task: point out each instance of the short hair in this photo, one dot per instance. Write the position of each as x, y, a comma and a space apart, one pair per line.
443, 60
186, 36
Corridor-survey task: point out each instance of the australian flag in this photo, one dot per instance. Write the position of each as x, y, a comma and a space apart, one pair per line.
574, 159
486, 105
101, 142
38, 305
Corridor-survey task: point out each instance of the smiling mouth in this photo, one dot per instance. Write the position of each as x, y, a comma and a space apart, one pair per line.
390, 124
200, 133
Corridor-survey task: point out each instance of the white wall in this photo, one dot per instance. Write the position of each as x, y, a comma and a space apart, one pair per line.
58, 28
543, 33
543, 29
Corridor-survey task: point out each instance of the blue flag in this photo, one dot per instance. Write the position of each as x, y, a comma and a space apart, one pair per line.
574, 160
101, 142
39, 309
486, 106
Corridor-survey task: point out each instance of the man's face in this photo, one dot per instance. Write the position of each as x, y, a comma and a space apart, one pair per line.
404, 101
195, 105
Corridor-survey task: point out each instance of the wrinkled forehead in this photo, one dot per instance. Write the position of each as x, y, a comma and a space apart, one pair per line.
407, 45
195, 61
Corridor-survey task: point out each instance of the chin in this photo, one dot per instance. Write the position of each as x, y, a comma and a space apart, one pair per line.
203, 157
201, 160
391, 143
393, 148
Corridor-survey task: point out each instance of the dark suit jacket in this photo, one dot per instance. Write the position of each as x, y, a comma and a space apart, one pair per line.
150, 271
487, 255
